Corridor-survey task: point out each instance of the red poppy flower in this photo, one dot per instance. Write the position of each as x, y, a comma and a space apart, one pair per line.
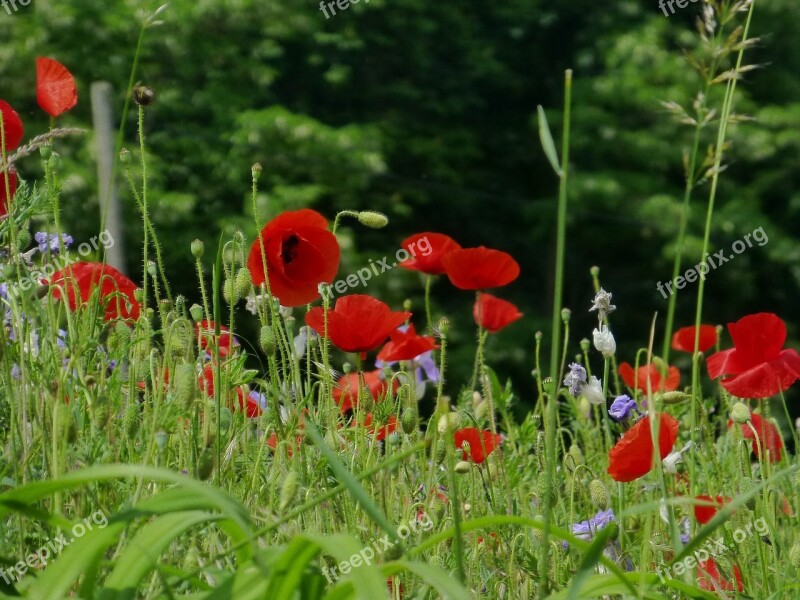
227, 342
481, 443
683, 339
272, 443
632, 456
757, 366
10, 178
55, 87
406, 345
357, 323
480, 268
708, 577
12, 126
493, 314
428, 261
345, 392
769, 438
637, 380
300, 254
382, 432
240, 401
116, 290
704, 513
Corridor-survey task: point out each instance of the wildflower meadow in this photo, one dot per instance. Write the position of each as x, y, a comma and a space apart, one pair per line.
270, 411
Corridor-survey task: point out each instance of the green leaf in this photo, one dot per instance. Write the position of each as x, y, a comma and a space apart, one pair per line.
547, 142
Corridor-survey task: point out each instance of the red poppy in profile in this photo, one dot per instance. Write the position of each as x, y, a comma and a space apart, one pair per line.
382, 432
345, 392
357, 323
300, 253
704, 513
116, 290
480, 268
55, 87
493, 314
632, 456
481, 443
769, 438
427, 251
757, 366
709, 579
12, 126
205, 330
683, 339
8, 178
637, 380
405, 344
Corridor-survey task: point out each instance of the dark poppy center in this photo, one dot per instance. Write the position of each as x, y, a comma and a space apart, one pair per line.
289, 249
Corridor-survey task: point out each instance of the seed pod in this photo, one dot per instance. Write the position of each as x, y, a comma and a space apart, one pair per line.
229, 292
673, 397
794, 556
288, 490
462, 467
242, 283
196, 311
185, 385
440, 451
130, 421
576, 455
408, 420
598, 493
482, 410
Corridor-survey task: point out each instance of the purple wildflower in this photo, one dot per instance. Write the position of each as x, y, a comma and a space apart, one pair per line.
575, 379
622, 407
51, 241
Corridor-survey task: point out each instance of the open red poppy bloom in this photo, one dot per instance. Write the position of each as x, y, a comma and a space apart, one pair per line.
300, 253
480, 268
8, 178
769, 438
481, 443
704, 513
683, 339
382, 432
12, 126
708, 577
116, 290
637, 380
345, 392
357, 323
757, 366
406, 345
493, 314
55, 87
205, 330
427, 251
632, 456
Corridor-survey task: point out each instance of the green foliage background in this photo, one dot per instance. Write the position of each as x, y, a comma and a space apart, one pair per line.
426, 111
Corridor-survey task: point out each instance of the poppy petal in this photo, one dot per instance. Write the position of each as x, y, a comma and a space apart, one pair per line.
12, 126
55, 87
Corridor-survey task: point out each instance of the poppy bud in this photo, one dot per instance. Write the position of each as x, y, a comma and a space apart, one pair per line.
229, 292
197, 249
576, 455
143, 95
225, 419
565, 315
288, 491
242, 283
45, 152
462, 467
407, 305
476, 398
598, 493
673, 397
267, 340
594, 271
443, 326
740, 413
482, 410
131, 420
70, 429
125, 156
541, 491
449, 422
440, 451
205, 466
161, 440
185, 385
408, 420
5, 419
746, 485
372, 219
196, 311
23, 238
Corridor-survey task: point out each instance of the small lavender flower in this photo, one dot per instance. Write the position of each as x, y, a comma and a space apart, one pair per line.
575, 379
259, 398
685, 528
622, 407
586, 529
51, 241
602, 304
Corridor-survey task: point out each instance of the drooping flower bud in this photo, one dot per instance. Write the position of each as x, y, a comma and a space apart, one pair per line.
598, 492
288, 491
604, 341
372, 219
740, 413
